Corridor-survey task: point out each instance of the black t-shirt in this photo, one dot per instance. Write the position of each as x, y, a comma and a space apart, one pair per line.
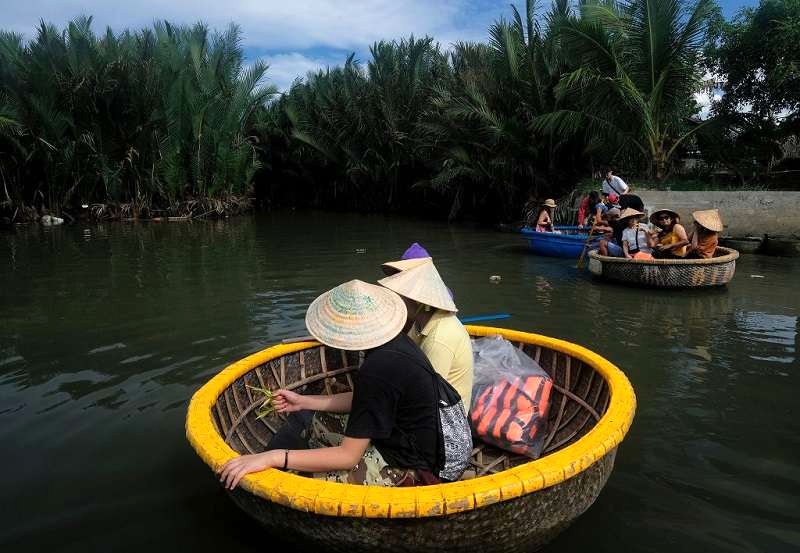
617, 228
631, 200
394, 405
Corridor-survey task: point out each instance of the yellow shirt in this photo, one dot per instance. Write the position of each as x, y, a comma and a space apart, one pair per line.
447, 345
672, 238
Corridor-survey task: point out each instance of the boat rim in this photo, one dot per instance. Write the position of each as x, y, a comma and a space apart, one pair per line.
334, 499
731, 255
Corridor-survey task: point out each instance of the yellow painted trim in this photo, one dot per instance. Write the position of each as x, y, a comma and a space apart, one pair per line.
328, 498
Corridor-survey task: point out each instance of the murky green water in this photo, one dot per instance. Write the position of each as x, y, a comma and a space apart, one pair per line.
106, 331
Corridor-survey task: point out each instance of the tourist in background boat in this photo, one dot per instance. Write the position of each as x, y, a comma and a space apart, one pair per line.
587, 218
433, 325
611, 244
612, 184
704, 238
671, 241
544, 223
636, 241
390, 436
602, 208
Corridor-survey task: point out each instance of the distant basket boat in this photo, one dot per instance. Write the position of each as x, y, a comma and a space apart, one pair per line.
514, 504
567, 243
667, 273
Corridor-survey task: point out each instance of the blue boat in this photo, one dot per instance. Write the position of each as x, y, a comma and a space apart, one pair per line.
568, 242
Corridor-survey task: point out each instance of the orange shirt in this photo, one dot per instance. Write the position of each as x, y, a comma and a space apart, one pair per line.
706, 244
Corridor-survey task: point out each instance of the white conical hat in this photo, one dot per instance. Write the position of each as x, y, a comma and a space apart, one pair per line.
709, 218
392, 267
423, 285
356, 315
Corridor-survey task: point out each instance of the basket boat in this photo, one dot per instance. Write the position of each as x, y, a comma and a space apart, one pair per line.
513, 504
568, 242
667, 273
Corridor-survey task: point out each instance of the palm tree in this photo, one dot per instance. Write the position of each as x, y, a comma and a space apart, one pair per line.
637, 70
482, 119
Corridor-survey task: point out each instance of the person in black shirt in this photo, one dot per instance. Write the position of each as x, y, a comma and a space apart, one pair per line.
611, 244
390, 436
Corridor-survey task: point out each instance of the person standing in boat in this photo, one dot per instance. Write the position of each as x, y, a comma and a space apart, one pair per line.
433, 325
671, 240
704, 238
384, 432
612, 184
544, 223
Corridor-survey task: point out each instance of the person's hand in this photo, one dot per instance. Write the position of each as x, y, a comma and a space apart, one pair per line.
285, 401
661, 247
628, 256
234, 470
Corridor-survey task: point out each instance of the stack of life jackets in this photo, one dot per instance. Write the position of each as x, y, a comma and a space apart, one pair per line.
512, 414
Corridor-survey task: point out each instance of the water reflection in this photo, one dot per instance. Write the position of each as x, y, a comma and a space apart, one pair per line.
106, 331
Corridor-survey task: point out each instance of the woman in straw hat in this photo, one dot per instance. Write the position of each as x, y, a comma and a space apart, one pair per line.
636, 242
671, 241
704, 238
434, 326
545, 221
389, 435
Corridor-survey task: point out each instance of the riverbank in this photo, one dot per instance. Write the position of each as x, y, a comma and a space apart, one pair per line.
746, 214
179, 211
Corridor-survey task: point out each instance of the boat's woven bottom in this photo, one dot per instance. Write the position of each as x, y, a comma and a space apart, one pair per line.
522, 524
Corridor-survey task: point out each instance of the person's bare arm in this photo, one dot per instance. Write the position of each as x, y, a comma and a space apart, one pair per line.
625, 249
286, 401
544, 219
343, 457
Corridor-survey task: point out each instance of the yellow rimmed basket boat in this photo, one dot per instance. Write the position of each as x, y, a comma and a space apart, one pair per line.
667, 273
513, 504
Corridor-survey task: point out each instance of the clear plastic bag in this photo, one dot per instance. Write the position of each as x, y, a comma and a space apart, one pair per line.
510, 397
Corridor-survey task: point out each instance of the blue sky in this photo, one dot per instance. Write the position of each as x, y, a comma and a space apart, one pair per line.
293, 36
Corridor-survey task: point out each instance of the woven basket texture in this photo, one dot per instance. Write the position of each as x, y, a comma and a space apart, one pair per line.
667, 273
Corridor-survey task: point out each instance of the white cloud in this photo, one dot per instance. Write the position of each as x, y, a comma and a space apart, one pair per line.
285, 68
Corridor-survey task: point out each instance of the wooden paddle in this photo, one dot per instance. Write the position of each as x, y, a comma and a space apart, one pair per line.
585, 245
474, 319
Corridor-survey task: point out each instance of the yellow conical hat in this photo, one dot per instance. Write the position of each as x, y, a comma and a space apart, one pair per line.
356, 315
392, 267
709, 218
423, 285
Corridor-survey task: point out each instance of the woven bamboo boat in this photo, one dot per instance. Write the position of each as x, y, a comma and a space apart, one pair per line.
511, 503
667, 273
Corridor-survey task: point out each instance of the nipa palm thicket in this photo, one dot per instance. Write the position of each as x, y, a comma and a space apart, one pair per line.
152, 119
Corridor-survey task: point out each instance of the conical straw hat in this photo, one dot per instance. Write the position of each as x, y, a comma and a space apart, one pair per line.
549, 202
629, 212
674, 214
709, 218
356, 316
423, 285
392, 267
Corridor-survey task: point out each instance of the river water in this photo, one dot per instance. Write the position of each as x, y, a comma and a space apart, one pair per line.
107, 330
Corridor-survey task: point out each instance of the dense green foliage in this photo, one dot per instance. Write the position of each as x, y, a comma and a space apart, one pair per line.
172, 119
143, 119
756, 122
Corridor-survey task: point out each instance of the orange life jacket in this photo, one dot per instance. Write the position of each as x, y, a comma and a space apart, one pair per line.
512, 413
